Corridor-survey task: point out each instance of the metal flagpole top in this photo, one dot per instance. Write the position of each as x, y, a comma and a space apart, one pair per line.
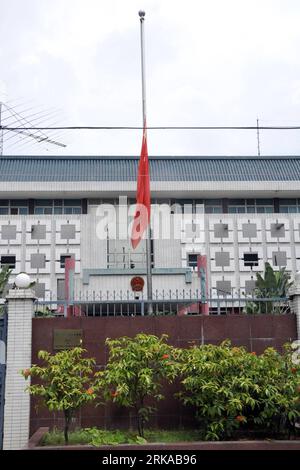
143, 66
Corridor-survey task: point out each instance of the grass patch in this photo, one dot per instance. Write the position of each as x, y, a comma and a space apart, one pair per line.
97, 437
157, 435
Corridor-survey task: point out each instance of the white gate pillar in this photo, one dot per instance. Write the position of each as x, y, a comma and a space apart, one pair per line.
18, 357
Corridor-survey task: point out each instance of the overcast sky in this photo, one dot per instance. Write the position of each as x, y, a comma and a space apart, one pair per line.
210, 62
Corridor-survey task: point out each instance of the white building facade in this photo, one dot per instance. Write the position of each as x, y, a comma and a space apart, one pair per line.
243, 211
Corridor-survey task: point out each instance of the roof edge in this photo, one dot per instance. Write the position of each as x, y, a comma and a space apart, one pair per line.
151, 157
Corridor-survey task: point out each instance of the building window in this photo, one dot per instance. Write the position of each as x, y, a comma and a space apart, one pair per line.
8, 260
18, 207
63, 260
250, 259
14, 207
250, 206
192, 260
213, 206
179, 206
72, 206
264, 206
289, 206
236, 206
19, 210
57, 206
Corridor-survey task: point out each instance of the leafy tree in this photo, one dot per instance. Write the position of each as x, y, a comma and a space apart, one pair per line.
278, 377
135, 371
4, 276
67, 382
273, 284
231, 388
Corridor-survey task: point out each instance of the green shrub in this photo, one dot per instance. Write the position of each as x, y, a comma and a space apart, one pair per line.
135, 370
269, 285
231, 388
66, 382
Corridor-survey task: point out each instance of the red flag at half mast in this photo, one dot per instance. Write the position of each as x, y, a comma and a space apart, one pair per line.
143, 205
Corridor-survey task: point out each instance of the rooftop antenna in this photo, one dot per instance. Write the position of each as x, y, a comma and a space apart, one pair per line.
13, 117
258, 141
1, 131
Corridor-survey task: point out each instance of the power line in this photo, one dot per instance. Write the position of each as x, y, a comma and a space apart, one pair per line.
284, 128
40, 121
22, 121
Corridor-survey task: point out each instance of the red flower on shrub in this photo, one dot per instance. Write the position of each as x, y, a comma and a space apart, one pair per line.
114, 394
293, 370
240, 418
253, 353
90, 391
26, 373
165, 356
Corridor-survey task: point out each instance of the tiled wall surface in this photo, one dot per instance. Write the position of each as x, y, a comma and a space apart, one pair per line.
237, 246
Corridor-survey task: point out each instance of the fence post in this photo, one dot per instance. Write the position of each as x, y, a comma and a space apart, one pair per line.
20, 309
294, 294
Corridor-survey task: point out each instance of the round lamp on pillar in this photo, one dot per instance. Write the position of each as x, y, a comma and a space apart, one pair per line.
22, 281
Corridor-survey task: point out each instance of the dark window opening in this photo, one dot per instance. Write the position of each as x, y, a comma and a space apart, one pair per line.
63, 260
250, 259
193, 260
8, 260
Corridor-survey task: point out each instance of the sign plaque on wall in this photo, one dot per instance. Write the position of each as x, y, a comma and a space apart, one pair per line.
65, 339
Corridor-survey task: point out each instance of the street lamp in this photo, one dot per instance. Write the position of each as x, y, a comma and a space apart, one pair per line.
22, 281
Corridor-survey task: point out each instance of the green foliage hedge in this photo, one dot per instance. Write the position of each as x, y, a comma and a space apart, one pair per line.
232, 389
229, 388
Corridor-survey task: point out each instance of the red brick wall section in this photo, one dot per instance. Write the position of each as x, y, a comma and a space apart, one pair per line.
254, 332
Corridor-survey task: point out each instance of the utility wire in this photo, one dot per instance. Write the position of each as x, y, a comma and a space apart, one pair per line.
40, 120
284, 128
37, 136
24, 122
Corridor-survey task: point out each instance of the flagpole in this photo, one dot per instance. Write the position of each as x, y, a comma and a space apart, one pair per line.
148, 235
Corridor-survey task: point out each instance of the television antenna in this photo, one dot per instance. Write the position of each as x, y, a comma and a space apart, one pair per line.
18, 116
